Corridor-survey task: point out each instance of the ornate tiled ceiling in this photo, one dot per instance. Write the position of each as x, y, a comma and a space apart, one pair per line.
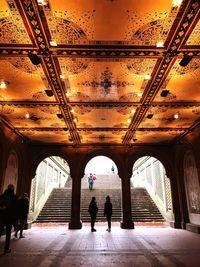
100, 79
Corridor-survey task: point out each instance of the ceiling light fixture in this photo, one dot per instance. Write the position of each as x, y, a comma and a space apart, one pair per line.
72, 111
176, 116
27, 116
176, 2
49, 93
164, 93
147, 76
133, 111
35, 60
60, 116
149, 116
160, 44
129, 120
139, 94
185, 61
53, 43
42, 2
62, 76
3, 84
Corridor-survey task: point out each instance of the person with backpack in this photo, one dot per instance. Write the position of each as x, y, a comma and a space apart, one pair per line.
90, 181
8, 207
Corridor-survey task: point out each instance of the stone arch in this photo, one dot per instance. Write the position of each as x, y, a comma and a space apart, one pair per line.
161, 156
12, 170
101, 152
192, 186
45, 154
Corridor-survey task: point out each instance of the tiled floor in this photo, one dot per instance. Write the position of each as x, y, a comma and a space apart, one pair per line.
55, 245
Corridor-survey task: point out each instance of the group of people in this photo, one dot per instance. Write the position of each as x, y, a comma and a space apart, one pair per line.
13, 213
93, 210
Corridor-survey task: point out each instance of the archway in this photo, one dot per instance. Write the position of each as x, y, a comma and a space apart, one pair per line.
11, 173
107, 182
50, 191
192, 187
150, 180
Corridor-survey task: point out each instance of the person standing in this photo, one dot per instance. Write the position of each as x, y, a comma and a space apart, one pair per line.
8, 211
22, 214
93, 210
90, 181
108, 212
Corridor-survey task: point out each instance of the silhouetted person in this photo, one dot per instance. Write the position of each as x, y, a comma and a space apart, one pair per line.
113, 169
8, 211
108, 212
93, 210
22, 214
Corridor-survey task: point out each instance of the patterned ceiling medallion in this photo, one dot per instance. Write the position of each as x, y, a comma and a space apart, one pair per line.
26, 66
105, 84
63, 30
140, 66
12, 29
73, 65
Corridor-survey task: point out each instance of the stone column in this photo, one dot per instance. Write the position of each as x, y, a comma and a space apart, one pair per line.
75, 222
126, 222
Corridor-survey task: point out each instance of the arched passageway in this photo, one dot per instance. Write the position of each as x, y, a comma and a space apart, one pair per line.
154, 198
50, 190
105, 182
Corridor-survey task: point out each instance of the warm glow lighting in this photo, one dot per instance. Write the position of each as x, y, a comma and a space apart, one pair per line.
72, 110
176, 2
27, 115
68, 94
62, 76
129, 120
176, 116
75, 120
42, 2
133, 111
160, 44
139, 94
53, 43
147, 77
3, 85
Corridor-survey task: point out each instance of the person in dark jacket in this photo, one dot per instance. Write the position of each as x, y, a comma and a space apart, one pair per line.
93, 210
8, 212
22, 214
108, 212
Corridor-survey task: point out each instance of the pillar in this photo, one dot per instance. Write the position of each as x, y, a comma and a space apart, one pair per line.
75, 222
127, 222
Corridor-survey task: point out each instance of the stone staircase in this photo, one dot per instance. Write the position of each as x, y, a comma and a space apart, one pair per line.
58, 206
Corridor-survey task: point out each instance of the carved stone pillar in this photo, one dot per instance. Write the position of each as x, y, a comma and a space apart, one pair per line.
126, 222
75, 222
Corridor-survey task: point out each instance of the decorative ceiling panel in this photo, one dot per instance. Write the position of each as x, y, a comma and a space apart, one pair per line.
92, 137
104, 73
82, 22
25, 80
106, 81
145, 137
54, 136
183, 83
164, 117
44, 116
102, 117
12, 29
194, 37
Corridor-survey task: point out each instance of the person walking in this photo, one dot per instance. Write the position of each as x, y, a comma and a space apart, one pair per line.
93, 210
90, 181
108, 212
8, 211
22, 214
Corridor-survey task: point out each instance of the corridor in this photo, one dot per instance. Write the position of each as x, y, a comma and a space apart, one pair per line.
52, 245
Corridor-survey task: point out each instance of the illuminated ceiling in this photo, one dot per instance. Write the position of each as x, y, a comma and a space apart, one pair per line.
101, 78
